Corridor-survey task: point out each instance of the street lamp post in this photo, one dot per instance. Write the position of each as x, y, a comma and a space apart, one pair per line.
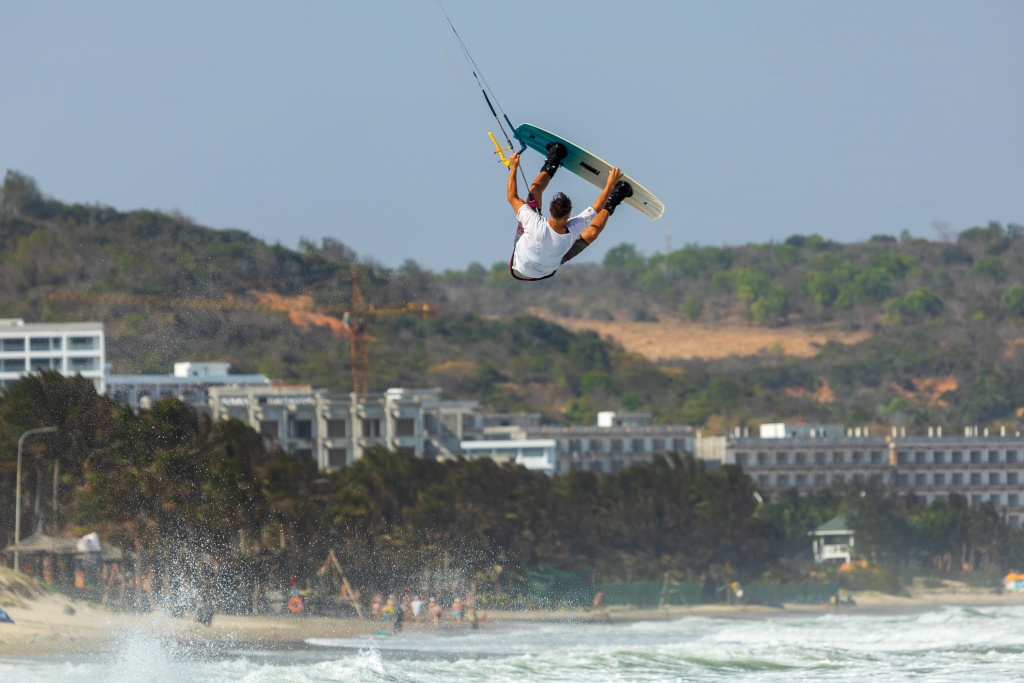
17, 488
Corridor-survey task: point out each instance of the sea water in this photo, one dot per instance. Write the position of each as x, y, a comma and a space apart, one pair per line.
949, 644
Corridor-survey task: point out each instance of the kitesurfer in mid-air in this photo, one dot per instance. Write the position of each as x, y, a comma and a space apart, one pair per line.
543, 244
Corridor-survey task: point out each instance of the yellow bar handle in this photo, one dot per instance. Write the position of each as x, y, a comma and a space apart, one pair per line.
499, 151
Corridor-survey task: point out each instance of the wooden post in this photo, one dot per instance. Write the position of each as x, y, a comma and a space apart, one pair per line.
56, 480
110, 581
352, 596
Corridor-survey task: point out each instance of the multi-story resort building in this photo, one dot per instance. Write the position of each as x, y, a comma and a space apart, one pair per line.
68, 348
983, 468
335, 429
617, 440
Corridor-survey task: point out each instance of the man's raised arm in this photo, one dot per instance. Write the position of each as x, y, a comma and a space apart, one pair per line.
512, 190
614, 176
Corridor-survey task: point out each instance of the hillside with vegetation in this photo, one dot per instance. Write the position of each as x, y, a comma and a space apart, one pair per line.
932, 327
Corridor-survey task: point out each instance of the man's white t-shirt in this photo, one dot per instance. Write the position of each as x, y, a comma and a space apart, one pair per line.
417, 607
540, 250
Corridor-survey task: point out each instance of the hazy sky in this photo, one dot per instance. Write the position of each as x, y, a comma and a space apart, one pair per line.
752, 121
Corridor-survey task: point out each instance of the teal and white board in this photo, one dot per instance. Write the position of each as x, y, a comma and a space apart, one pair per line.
591, 168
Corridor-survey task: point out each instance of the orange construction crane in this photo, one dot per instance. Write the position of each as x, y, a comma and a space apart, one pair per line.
356, 320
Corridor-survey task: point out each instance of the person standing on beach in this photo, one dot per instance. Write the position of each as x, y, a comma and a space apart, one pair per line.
399, 619
417, 607
470, 611
457, 606
375, 608
387, 613
435, 612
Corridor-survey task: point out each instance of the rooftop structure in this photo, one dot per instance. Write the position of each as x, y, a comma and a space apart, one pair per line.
190, 383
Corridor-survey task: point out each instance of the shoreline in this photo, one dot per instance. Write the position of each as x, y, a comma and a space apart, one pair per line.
43, 628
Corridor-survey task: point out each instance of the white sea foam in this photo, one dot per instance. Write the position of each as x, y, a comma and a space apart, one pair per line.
950, 644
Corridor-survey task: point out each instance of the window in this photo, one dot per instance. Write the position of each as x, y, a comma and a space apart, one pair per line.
1012, 478
801, 458
993, 477
837, 457
638, 445
336, 457
406, 450
84, 363
1013, 500
819, 458
38, 364
597, 466
13, 365
762, 459
762, 480
83, 343
902, 458
996, 499
838, 478
858, 478
269, 429
921, 479
1011, 456
616, 445
783, 480
939, 457
939, 478
875, 478
55, 343
858, 457
405, 426
821, 479
302, 429
920, 457
876, 457
958, 479
975, 499
903, 480
575, 445
993, 457
39, 344
336, 430
658, 445
958, 457
975, 478
782, 458
370, 427
616, 466
975, 457
741, 459
1015, 521
801, 480
16, 344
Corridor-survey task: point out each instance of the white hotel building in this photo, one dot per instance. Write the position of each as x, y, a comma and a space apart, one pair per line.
68, 348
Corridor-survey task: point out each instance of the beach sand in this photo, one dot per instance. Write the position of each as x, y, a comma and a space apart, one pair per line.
43, 626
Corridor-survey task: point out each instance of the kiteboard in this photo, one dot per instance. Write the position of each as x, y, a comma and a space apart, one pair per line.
591, 168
